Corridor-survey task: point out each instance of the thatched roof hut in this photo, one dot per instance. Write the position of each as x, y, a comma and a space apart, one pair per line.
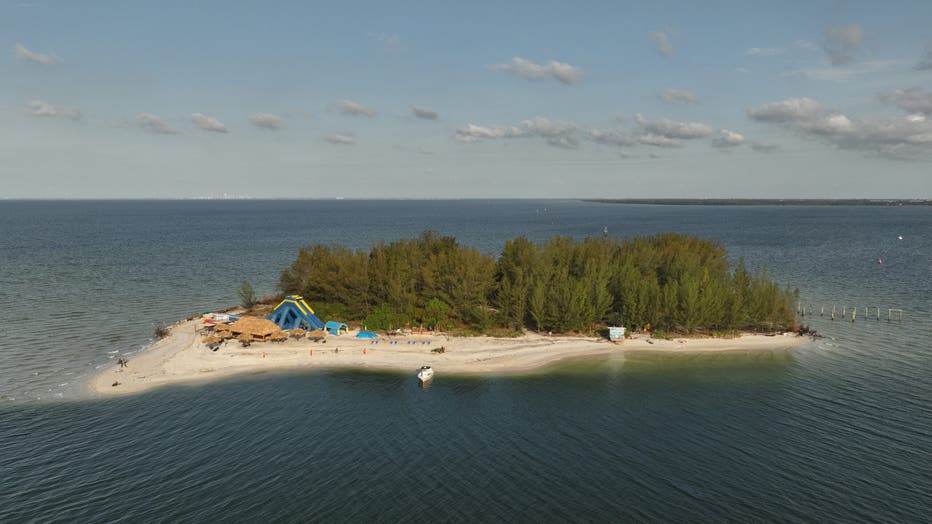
211, 339
258, 328
298, 332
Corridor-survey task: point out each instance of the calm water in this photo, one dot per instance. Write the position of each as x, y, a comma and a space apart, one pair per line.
839, 430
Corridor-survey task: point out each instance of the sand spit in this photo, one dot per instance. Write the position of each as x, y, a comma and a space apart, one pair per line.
182, 358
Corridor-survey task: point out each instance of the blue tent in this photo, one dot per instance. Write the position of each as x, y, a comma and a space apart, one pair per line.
366, 334
293, 312
336, 328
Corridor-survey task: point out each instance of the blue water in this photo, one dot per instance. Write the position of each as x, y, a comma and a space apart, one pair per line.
839, 430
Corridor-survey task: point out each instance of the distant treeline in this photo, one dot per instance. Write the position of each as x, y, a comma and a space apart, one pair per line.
672, 282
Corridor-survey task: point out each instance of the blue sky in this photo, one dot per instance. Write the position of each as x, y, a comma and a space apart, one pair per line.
465, 99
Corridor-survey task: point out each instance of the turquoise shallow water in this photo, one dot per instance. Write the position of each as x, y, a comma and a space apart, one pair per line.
838, 430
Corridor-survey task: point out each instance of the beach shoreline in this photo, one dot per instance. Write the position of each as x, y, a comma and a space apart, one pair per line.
181, 357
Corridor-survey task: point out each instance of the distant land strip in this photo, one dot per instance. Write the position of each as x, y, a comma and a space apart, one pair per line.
763, 201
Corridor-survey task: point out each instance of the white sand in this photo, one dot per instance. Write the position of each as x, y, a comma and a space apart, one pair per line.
182, 358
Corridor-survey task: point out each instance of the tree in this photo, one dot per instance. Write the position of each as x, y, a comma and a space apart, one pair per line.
247, 295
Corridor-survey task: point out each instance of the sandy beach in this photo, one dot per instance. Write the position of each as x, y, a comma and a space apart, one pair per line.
182, 358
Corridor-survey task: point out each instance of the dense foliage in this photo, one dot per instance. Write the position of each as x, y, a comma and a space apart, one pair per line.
671, 282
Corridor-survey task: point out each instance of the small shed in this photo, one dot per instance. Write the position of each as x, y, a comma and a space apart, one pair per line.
616, 333
336, 328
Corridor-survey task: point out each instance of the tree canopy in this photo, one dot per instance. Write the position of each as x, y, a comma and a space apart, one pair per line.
672, 282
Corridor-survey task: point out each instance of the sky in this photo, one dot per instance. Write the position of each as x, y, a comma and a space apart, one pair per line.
715, 99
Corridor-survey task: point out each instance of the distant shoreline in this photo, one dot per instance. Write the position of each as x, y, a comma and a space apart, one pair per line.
182, 358
763, 201
644, 201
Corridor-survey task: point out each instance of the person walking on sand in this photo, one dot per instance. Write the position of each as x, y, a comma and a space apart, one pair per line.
123, 363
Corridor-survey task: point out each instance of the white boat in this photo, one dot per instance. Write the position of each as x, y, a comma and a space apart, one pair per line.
425, 373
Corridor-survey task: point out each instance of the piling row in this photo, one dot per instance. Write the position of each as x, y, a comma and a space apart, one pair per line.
851, 312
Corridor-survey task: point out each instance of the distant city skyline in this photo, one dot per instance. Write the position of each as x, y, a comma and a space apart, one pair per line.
467, 100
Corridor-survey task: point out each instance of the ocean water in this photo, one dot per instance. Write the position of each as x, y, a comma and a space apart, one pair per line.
839, 430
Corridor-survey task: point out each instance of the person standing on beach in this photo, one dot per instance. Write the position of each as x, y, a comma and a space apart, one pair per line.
123, 363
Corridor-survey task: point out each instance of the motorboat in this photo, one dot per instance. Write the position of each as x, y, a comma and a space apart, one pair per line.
425, 373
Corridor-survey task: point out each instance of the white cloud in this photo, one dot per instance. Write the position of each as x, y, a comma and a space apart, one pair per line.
611, 137
341, 139
842, 43
678, 96
764, 51
742, 70
42, 108
912, 100
790, 110
424, 113
672, 129
901, 138
348, 107
30, 56
208, 123
728, 139
560, 71
653, 139
266, 121
661, 41
154, 123
555, 133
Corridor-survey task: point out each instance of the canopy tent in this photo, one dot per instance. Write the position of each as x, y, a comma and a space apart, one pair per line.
336, 328
294, 312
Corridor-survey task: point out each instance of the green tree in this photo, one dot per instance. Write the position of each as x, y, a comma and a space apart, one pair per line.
247, 296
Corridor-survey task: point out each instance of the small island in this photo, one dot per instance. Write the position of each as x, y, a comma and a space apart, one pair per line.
431, 301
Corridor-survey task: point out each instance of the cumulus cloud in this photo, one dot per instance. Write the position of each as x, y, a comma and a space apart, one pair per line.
346, 139
909, 137
662, 42
842, 43
42, 108
612, 137
560, 71
424, 113
555, 133
678, 96
925, 61
653, 139
672, 129
348, 107
728, 139
266, 121
911, 100
31, 56
154, 123
208, 123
